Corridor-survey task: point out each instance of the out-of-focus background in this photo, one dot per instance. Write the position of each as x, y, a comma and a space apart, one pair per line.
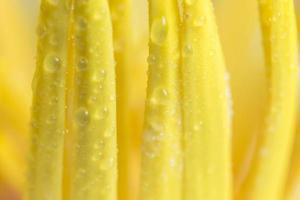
241, 39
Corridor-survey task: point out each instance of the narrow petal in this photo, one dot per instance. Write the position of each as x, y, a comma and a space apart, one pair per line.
161, 149
48, 109
269, 168
206, 107
94, 118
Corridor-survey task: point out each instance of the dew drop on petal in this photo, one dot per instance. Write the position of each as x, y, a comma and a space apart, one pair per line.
188, 50
82, 64
152, 60
159, 96
52, 63
159, 31
41, 31
82, 116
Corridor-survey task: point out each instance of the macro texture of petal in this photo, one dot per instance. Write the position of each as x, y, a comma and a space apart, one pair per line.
206, 107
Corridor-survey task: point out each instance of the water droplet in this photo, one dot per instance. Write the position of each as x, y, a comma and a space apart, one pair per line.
102, 72
151, 136
105, 110
152, 60
81, 23
107, 164
92, 99
101, 114
188, 50
97, 16
66, 131
77, 146
98, 145
51, 119
33, 124
95, 77
107, 134
82, 116
41, 31
53, 100
158, 96
82, 64
159, 31
186, 16
165, 92
99, 76
52, 63
112, 98
150, 154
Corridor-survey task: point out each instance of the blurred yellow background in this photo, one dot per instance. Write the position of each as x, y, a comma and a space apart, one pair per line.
239, 29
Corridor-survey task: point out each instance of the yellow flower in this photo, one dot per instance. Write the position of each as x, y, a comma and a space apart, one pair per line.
89, 137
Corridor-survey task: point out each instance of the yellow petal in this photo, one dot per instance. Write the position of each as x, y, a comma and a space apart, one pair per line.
48, 109
243, 53
206, 107
161, 149
270, 164
94, 116
121, 11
